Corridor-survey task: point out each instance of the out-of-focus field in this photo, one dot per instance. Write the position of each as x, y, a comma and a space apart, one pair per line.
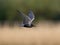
45, 33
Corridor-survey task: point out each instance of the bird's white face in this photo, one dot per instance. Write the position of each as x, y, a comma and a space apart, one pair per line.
29, 23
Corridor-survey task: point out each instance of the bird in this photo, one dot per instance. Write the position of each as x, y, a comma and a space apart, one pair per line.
27, 19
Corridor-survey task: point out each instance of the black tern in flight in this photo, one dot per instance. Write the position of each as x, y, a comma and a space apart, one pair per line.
27, 20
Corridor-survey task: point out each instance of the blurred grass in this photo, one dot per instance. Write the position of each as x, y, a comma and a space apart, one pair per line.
43, 9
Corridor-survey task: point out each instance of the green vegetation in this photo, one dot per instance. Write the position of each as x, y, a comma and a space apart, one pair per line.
43, 9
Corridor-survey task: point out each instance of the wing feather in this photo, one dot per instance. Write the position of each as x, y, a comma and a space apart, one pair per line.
26, 19
31, 15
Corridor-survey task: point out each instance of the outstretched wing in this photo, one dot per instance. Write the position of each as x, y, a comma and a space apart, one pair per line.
31, 15
21, 14
26, 19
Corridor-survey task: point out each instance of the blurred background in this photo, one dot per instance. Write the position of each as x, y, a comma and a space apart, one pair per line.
43, 9
45, 33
